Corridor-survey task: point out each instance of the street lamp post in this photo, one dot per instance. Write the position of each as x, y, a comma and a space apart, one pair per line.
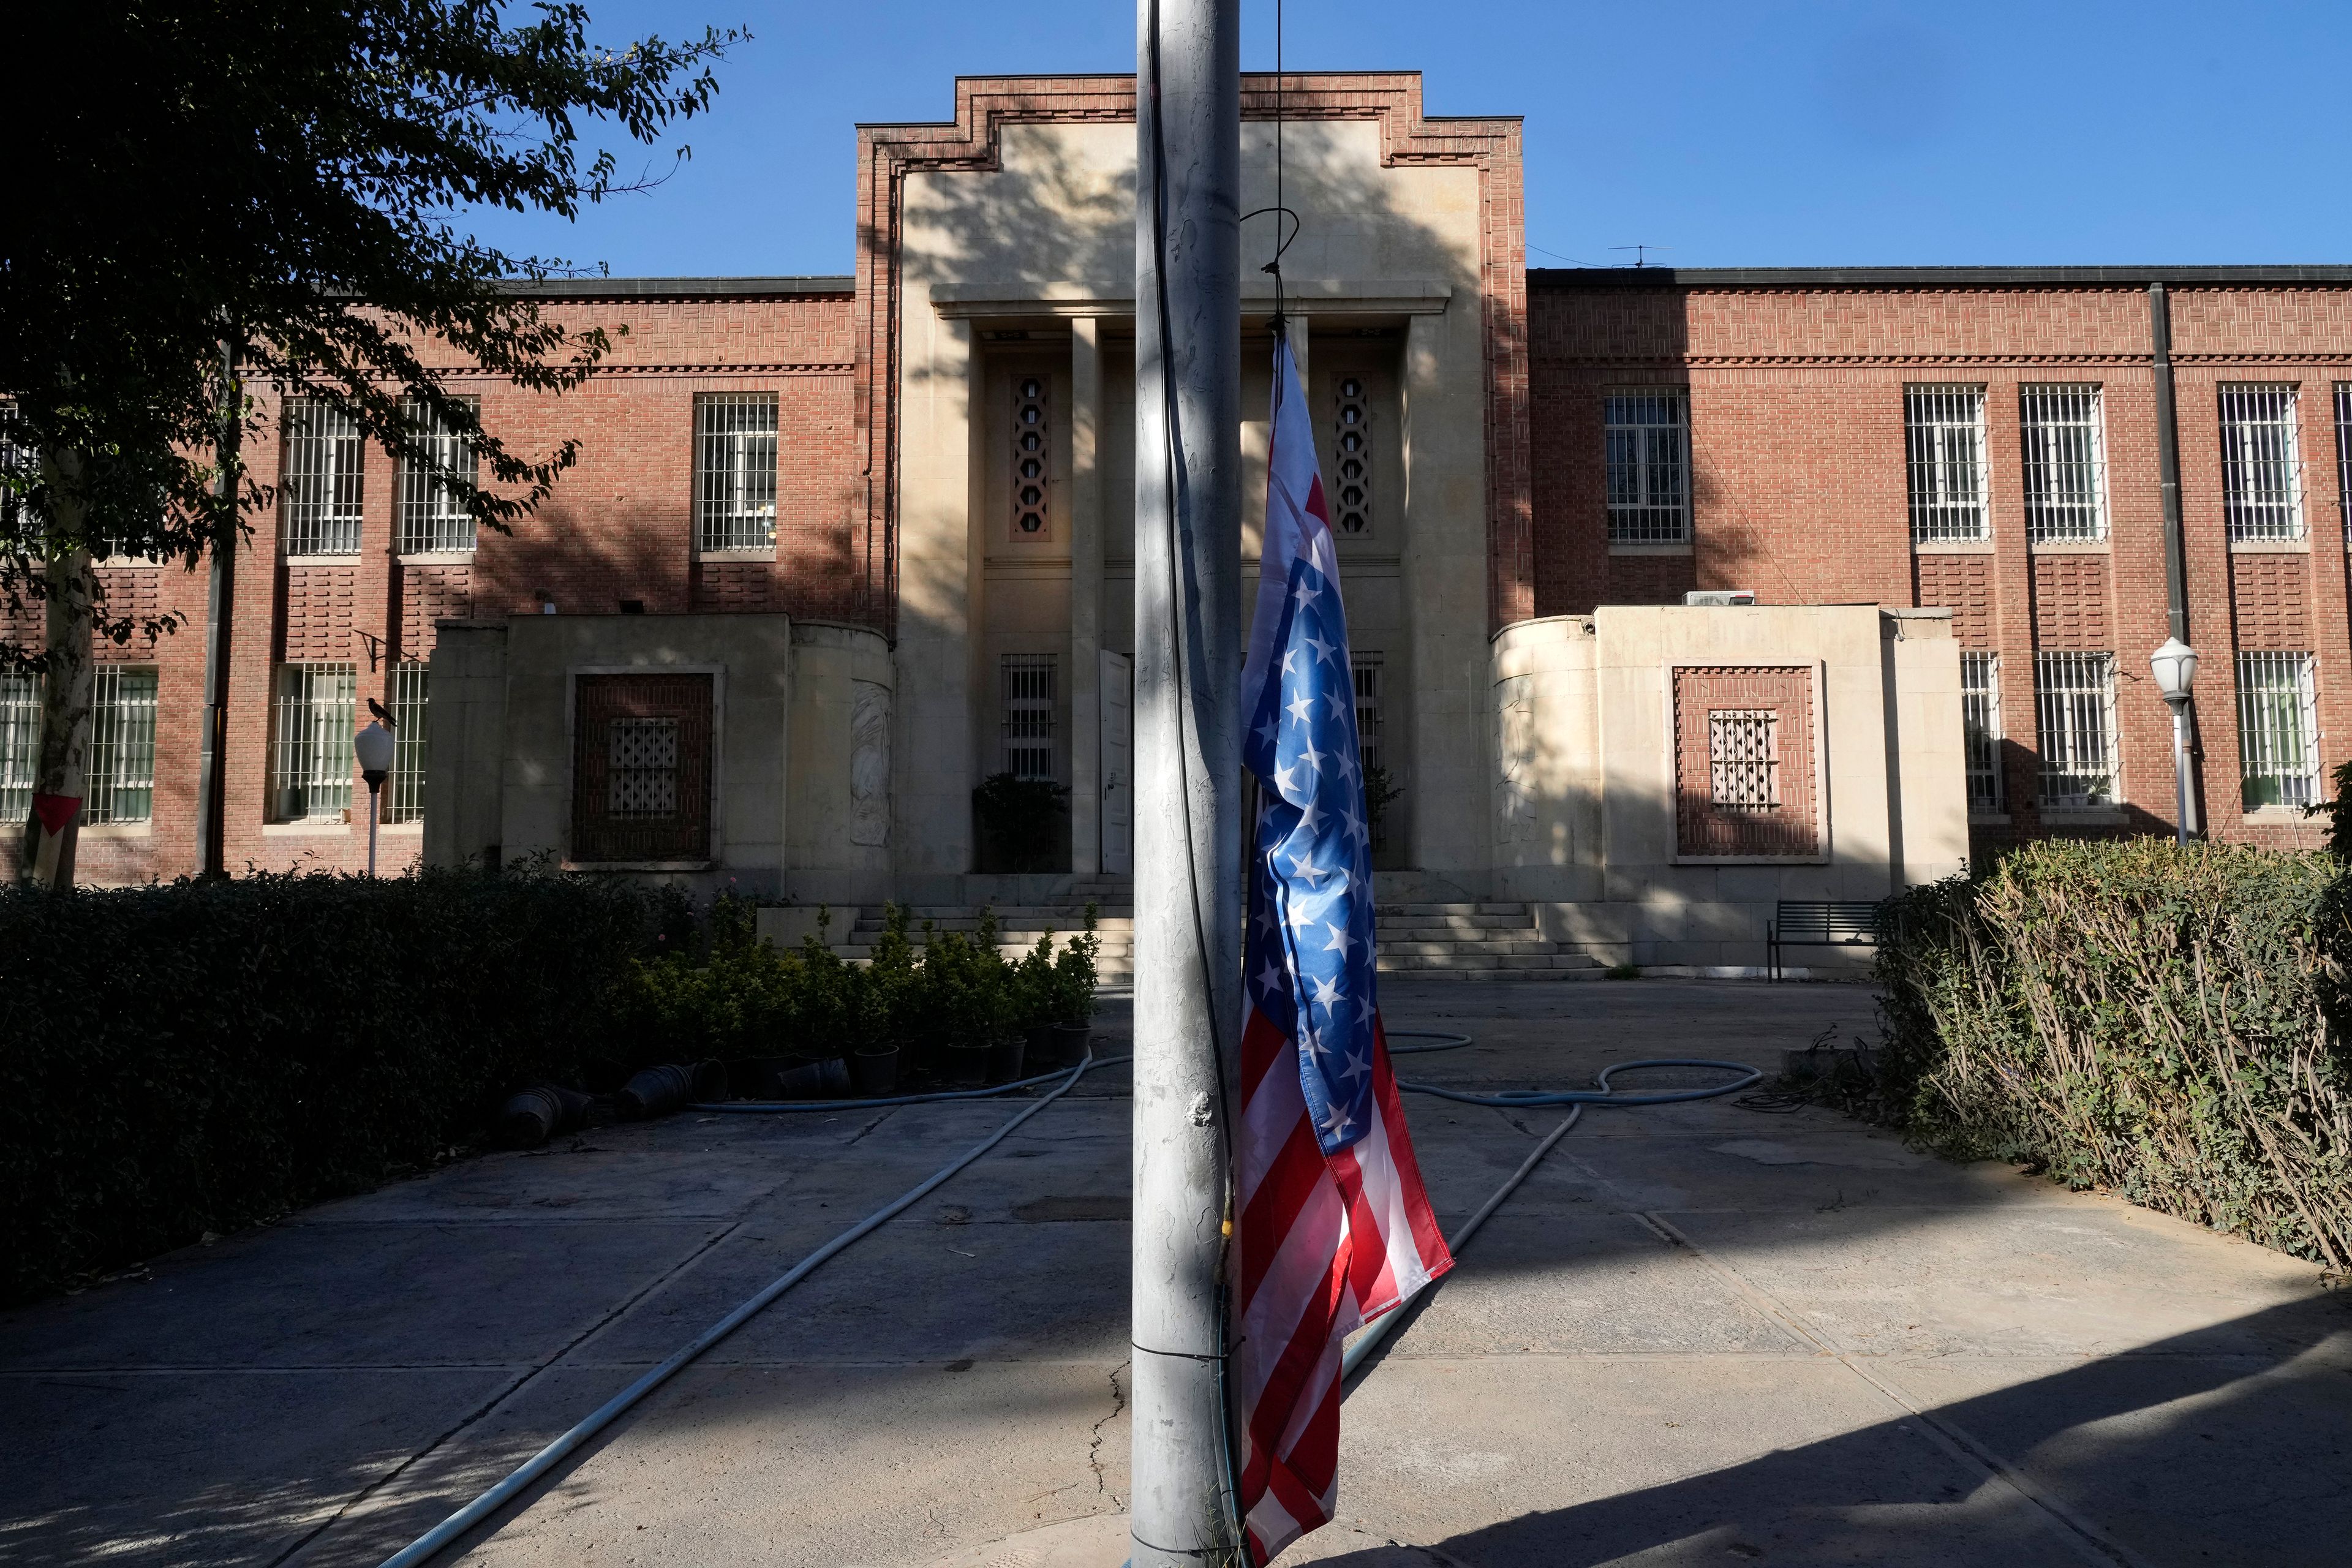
374, 746
2175, 667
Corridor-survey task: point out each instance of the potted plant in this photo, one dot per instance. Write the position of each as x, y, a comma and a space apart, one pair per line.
1072, 992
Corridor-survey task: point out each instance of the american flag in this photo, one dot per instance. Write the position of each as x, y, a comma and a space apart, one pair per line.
1335, 1228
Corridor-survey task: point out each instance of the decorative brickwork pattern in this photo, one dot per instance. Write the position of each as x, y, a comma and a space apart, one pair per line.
744, 586
2269, 602
2070, 603
320, 604
430, 593
1962, 584
136, 592
1720, 705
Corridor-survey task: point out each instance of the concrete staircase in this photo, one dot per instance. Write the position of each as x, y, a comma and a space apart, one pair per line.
1418, 941
1474, 942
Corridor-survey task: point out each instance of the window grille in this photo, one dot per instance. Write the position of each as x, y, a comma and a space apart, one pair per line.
735, 471
1743, 756
1980, 730
2262, 466
2074, 695
1649, 467
121, 779
2065, 463
1350, 436
403, 801
2344, 456
641, 771
325, 479
20, 742
1028, 715
2278, 730
1366, 672
1032, 450
1944, 436
641, 768
311, 756
433, 518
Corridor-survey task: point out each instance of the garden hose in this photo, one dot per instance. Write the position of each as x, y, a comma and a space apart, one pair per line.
424, 1547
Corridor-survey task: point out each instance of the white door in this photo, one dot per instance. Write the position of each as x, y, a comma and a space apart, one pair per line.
1117, 762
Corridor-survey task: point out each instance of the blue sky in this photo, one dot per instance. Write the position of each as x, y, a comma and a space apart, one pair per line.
1719, 134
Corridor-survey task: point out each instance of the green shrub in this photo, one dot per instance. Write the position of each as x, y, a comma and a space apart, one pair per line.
2140, 1015
199, 1057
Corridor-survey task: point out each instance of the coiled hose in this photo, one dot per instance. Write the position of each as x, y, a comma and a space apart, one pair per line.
424, 1547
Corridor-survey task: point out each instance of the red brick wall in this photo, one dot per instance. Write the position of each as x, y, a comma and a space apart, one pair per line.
1799, 484
619, 526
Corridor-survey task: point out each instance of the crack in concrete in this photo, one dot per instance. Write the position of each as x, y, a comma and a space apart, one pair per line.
1095, 1438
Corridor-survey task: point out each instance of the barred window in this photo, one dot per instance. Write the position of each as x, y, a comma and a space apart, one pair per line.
2344, 456
2074, 700
16, 466
1944, 436
2262, 466
1743, 756
1032, 450
310, 741
432, 518
404, 801
1351, 427
1028, 715
2065, 463
1980, 730
20, 742
121, 780
735, 471
1649, 467
640, 776
1366, 671
325, 479
2278, 730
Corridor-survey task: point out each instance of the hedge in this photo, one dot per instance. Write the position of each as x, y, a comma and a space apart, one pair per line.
2137, 1015
198, 1056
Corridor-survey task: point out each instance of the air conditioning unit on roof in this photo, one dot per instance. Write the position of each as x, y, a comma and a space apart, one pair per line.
1719, 597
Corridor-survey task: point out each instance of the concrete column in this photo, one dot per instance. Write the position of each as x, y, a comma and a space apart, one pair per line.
1086, 595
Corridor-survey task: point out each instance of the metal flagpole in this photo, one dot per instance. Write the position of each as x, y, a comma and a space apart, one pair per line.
1188, 656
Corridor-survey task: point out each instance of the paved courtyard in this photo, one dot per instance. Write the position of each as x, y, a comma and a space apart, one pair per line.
1699, 1335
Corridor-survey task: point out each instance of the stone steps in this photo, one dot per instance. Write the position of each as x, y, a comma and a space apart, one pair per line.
1419, 941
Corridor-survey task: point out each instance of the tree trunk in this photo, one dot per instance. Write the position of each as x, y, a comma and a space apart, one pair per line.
66, 691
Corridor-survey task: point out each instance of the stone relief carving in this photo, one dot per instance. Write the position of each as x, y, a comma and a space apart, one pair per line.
869, 763
1515, 738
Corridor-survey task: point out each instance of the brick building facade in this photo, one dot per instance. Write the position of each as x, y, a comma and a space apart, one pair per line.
1543, 443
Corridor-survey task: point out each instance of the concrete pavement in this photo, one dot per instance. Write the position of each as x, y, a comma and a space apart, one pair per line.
1700, 1334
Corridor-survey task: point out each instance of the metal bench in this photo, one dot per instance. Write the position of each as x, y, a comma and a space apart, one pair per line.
1819, 922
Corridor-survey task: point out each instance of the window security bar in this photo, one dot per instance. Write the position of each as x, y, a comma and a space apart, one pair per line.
2074, 699
1944, 438
310, 732
2278, 730
2343, 454
2065, 463
432, 520
404, 800
1980, 731
1648, 447
20, 740
120, 782
1028, 715
735, 471
325, 479
2262, 465
1743, 756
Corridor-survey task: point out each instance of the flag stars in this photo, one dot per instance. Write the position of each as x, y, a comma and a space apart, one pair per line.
1306, 595
1335, 1122
1301, 708
1303, 867
1322, 650
1327, 994
1341, 941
